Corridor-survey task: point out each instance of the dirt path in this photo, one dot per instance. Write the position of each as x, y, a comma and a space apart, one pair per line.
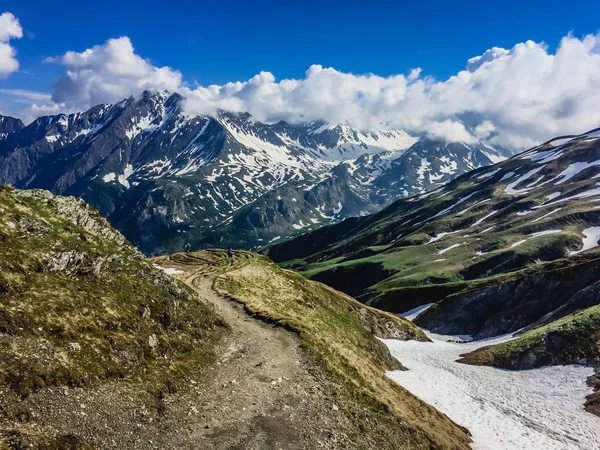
264, 392
261, 396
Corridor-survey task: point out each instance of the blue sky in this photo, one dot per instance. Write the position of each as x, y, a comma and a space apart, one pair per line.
536, 72
216, 42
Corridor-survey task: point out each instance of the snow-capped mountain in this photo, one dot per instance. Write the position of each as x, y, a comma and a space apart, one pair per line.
165, 177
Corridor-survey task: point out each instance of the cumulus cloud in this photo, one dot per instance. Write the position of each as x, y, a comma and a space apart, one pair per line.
489, 55
517, 97
108, 73
414, 74
10, 28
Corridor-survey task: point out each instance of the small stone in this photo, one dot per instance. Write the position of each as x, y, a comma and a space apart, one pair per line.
334, 407
74, 346
153, 341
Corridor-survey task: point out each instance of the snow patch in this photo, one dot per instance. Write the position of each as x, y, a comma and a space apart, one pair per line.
441, 252
545, 215
540, 409
574, 169
485, 176
461, 200
534, 235
109, 177
590, 240
441, 235
483, 218
126, 174
510, 188
168, 270
413, 313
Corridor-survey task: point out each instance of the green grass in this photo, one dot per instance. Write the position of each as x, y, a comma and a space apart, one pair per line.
77, 307
570, 340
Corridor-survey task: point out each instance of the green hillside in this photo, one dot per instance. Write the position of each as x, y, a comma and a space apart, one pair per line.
499, 224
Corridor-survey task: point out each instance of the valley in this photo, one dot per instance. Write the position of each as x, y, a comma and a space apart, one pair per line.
486, 259
299, 225
517, 227
500, 268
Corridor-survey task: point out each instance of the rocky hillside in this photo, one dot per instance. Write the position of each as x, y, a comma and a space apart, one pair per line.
9, 125
80, 306
528, 225
164, 177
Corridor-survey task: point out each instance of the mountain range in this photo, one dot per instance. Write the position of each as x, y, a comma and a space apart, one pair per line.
499, 249
165, 177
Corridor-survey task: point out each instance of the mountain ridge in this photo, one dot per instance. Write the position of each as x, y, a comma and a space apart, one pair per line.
467, 245
165, 177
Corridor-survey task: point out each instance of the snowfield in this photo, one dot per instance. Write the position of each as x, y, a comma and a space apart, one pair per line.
540, 409
168, 270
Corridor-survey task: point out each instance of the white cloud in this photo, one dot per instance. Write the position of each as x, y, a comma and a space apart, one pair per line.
27, 105
24, 96
108, 73
10, 28
489, 55
485, 129
517, 97
414, 74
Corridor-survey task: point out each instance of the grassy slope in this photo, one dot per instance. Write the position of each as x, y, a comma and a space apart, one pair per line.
574, 339
337, 331
78, 304
392, 249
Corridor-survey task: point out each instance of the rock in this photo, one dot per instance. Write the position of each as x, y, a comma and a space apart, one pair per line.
32, 226
74, 346
79, 213
334, 407
153, 341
